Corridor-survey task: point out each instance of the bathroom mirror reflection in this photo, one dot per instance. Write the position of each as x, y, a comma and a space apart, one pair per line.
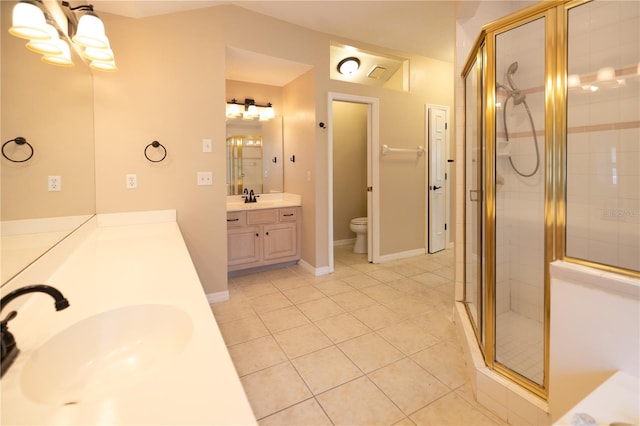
254, 146
254, 156
52, 108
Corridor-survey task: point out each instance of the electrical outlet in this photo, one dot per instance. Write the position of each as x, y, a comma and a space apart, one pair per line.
132, 181
54, 183
206, 145
205, 178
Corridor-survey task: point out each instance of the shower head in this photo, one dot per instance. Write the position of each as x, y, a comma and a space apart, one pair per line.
510, 72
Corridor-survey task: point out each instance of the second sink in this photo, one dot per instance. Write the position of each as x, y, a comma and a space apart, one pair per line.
100, 355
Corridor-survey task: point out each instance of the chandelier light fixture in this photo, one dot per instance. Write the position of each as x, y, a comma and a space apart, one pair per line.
85, 30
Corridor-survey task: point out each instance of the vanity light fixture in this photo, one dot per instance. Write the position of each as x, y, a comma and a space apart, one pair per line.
62, 59
49, 46
29, 21
349, 65
251, 110
32, 21
87, 31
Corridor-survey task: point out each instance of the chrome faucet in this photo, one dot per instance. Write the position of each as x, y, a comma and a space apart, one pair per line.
8, 348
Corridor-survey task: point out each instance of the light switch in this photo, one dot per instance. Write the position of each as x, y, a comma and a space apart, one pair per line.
206, 145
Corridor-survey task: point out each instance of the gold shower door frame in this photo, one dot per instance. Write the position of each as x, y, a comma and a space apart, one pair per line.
476, 65
555, 14
487, 39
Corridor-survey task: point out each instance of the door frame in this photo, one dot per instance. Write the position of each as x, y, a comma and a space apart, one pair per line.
447, 183
373, 172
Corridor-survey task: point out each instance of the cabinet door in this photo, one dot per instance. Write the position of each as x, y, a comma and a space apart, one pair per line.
243, 245
280, 240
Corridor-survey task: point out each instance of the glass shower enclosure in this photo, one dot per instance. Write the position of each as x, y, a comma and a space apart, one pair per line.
552, 152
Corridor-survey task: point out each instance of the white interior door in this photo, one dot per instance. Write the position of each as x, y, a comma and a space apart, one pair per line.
437, 134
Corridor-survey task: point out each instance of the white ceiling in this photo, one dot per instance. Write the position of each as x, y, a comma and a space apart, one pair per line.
420, 27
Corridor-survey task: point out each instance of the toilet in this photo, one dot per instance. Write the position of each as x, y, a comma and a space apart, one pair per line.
359, 226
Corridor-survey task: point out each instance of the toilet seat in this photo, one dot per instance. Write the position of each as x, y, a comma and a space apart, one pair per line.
359, 221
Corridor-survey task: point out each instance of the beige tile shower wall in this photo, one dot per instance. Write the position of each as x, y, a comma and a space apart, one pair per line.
603, 141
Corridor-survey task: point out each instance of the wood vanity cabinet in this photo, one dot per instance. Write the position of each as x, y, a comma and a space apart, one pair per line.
262, 237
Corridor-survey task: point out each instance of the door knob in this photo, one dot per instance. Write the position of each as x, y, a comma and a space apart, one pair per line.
435, 187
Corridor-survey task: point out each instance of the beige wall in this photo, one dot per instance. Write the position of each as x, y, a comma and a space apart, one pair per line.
299, 99
52, 107
349, 166
171, 87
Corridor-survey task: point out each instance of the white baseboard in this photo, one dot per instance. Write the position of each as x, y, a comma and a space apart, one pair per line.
313, 270
346, 242
402, 255
220, 296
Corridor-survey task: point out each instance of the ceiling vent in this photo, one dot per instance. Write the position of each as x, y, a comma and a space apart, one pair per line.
378, 73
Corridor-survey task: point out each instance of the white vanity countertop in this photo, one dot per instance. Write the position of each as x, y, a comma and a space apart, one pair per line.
264, 201
119, 265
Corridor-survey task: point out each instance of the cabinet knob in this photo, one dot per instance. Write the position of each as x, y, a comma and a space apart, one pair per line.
257, 235
267, 233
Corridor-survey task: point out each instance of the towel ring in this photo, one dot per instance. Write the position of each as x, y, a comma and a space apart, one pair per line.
18, 141
155, 144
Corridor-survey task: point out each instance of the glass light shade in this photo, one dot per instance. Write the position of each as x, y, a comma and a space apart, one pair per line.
233, 110
349, 65
29, 22
90, 32
63, 59
95, 54
47, 47
104, 65
252, 111
269, 112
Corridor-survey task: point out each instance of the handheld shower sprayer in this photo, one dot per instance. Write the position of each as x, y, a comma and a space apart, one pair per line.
513, 92
518, 97
510, 72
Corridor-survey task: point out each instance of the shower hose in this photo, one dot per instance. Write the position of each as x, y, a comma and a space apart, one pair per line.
533, 130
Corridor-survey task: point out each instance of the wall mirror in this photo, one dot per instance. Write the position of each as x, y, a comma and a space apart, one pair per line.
261, 77
52, 108
254, 156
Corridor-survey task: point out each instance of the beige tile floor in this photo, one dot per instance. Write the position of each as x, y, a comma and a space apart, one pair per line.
370, 344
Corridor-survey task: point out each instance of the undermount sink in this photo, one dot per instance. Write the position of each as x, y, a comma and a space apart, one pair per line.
100, 355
